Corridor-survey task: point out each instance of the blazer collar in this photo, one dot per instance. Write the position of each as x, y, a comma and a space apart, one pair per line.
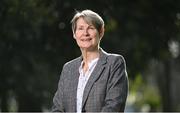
102, 57
95, 74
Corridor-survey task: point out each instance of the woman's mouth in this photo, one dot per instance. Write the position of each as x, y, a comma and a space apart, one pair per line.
86, 39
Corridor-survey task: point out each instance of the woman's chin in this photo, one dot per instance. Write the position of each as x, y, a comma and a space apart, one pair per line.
86, 46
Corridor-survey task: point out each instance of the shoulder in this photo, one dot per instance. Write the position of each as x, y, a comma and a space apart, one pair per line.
116, 62
113, 58
70, 67
72, 63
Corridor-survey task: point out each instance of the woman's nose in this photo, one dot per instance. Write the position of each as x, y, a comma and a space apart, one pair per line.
86, 32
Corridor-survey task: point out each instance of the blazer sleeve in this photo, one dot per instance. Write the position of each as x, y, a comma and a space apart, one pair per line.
117, 87
58, 97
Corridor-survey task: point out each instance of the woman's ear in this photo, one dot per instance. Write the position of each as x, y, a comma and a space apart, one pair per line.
74, 36
101, 32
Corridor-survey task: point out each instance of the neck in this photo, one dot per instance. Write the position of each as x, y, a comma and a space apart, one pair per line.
89, 56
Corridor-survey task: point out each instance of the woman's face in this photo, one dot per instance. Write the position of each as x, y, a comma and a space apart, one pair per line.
86, 35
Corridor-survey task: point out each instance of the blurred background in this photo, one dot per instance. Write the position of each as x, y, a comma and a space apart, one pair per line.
36, 40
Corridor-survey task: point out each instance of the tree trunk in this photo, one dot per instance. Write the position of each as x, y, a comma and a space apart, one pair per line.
165, 87
4, 104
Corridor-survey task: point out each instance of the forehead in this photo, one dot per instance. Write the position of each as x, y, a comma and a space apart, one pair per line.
83, 21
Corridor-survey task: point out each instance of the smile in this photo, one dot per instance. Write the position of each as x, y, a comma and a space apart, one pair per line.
88, 39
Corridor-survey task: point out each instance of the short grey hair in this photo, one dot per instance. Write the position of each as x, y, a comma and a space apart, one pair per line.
90, 17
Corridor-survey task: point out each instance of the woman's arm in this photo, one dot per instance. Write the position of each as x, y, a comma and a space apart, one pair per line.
117, 87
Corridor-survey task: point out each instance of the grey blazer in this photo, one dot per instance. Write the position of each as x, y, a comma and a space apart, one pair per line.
105, 91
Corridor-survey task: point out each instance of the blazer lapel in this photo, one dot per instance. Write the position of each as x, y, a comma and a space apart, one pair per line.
94, 75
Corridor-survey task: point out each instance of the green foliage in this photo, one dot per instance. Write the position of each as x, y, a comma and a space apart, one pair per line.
144, 97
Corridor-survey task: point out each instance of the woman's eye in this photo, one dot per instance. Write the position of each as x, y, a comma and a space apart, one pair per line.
80, 28
91, 28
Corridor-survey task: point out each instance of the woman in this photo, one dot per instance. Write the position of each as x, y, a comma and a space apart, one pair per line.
96, 81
